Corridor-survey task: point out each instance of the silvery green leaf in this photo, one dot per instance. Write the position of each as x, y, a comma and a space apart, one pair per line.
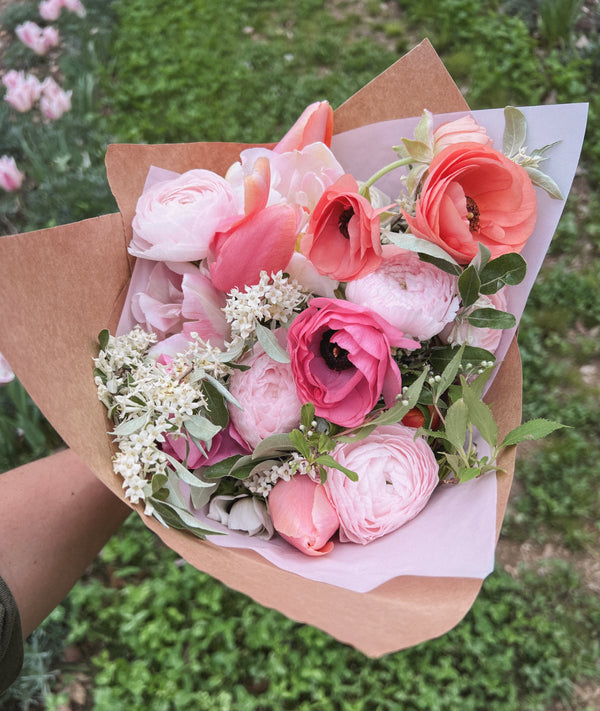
200, 495
545, 182
491, 318
268, 341
415, 244
128, 427
175, 517
273, 445
424, 129
201, 428
515, 131
441, 264
418, 151
185, 474
222, 389
414, 177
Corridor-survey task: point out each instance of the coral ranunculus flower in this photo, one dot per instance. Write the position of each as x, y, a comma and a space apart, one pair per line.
341, 360
474, 194
342, 239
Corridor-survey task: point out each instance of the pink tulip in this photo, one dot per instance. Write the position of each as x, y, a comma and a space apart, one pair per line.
54, 102
263, 239
11, 177
38, 39
22, 90
314, 125
6, 374
50, 9
302, 515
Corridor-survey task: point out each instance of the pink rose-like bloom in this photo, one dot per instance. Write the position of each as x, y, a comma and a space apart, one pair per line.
50, 9
38, 39
23, 90
175, 219
462, 130
416, 297
302, 515
396, 476
267, 395
54, 101
6, 374
11, 177
341, 359
342, 238
488, 338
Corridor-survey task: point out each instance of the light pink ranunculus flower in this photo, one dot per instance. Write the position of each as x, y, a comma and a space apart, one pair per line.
50, 9
175, 219
74, 6
396, 476
460, 332
11, 177
414, 296
267, 395
462, 130
156, 305
341, 359
37, 39
6, 373
22, 90
54, 101
302, 514
304, 272
315, 125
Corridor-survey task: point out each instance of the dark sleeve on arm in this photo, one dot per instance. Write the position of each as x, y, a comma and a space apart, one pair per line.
11, 640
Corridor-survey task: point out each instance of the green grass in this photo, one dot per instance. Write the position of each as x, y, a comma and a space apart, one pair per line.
158, 635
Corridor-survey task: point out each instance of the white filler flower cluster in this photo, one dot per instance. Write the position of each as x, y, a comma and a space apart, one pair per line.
148, 400
274, 298
262, 481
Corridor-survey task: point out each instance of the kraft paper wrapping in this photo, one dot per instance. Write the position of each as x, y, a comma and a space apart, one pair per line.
59, 287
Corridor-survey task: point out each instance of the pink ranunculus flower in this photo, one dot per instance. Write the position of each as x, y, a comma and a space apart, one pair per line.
414, 296
22, 91
267, 395
50, 9
315, 125
262, 239
175, 219
462, 130
6, 373
302, 515
341, 359
460, 332
54, 101
396, 476
342, 238
38, 39
11, 177
156, 304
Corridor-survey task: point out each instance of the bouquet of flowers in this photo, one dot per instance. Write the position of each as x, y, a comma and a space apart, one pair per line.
277, 379
309, 354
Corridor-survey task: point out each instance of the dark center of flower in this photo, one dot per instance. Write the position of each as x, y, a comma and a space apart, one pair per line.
335, 356
344, 219
472, 214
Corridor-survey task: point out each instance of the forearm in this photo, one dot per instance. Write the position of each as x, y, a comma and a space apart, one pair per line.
55, 516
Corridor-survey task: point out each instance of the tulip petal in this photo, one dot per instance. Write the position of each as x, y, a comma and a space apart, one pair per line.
314, 125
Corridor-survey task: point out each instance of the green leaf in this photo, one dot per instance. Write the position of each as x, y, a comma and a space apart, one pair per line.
201, 428
480, 414
507, 269
491, 318
158, 481
128, 427
307, 415
185, 474
220, 469
103, 338
418, 151
534, 429
396, 412
441, 356
545, 182
405, 240
298, 440
215, 404
442, 264
274, 445
515, 131
178, 518
468, 473
469, 285
358, 434
268, 341
457, 419
424, 129
328, 461
450, 372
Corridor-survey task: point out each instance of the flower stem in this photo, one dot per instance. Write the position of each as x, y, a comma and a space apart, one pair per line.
380, 173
